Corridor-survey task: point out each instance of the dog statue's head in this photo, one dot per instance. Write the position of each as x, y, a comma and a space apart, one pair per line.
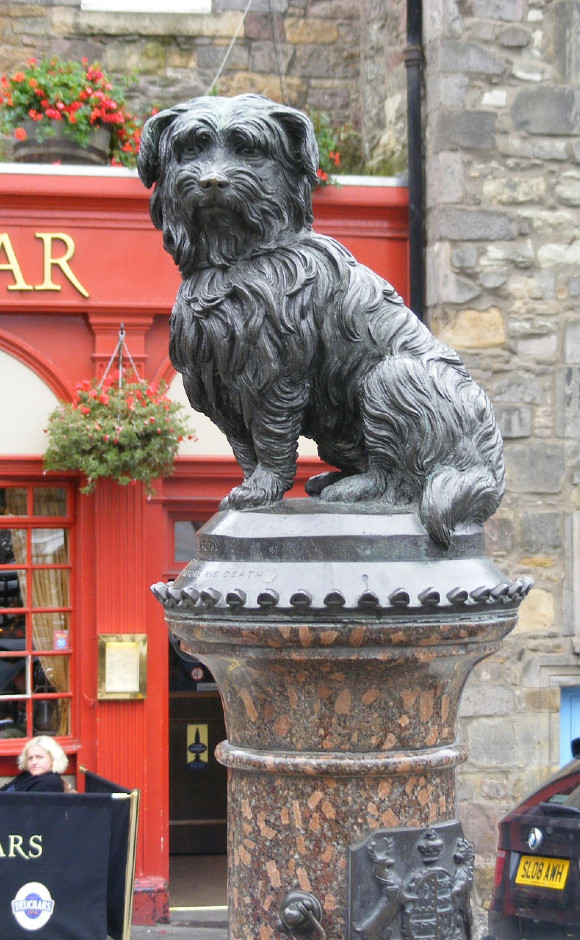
234, 177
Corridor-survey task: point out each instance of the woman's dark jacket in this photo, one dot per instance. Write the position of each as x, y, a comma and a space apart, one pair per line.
43, 783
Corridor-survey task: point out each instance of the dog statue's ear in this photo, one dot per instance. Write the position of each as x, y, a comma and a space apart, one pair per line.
300, 131
148, 159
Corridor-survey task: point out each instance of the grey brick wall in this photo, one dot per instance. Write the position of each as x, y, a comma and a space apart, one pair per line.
503, 234
337, 56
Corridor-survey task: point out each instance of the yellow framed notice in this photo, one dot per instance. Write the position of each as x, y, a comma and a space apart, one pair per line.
122, 666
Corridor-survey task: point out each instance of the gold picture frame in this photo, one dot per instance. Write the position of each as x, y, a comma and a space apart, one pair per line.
122, 666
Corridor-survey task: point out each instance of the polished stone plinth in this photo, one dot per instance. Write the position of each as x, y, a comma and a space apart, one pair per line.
340, 643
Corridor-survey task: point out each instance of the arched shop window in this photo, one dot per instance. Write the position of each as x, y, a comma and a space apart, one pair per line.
35, 610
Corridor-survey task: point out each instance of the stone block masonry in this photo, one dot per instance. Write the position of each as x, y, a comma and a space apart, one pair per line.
502, 87
323, 49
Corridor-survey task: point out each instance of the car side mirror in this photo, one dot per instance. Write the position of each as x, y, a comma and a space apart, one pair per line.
575, 747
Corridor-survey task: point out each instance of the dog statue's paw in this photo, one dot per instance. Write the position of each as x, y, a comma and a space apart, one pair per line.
356, 488
262, 488
315, 485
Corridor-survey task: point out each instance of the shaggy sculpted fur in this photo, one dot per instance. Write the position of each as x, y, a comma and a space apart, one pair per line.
279, 332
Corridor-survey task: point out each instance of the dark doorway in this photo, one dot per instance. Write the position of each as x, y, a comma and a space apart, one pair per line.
197, 783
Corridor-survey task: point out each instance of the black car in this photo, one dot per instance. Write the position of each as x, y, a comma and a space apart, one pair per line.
537, 876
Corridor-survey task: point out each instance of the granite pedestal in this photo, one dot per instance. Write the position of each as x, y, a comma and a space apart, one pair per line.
340, 642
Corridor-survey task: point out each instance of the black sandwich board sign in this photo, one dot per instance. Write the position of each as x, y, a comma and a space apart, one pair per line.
67, 863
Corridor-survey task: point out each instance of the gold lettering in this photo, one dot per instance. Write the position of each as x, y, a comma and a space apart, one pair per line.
35, 846
12, 264
16, 847
62, 262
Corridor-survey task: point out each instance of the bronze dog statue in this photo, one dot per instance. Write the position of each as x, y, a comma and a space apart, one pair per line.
279, 332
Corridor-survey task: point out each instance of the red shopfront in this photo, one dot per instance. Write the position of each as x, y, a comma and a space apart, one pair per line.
78, 257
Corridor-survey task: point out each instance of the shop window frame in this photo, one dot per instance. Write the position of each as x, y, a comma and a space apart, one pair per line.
569, 720
198, 514
28, 523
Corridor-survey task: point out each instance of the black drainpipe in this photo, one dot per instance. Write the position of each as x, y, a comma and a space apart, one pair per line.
414, 62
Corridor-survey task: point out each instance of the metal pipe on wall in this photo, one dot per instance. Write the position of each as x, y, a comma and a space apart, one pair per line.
413, 57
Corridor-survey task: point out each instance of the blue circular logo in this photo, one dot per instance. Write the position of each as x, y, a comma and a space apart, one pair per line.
33, 906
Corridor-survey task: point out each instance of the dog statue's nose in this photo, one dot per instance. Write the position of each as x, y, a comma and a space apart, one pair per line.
213, 180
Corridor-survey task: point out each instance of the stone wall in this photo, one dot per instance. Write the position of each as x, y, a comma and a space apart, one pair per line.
329, 55
503, 235
383, 84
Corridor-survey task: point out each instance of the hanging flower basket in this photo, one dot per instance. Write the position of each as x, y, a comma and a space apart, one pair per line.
120, 428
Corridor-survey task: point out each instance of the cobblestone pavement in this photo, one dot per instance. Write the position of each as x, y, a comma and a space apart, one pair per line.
180, 932
211, 924
188, 924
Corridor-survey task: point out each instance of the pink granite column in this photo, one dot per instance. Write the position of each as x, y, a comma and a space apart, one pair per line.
341, 680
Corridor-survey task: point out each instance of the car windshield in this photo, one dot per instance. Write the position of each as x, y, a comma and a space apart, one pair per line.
563, 789
571, 799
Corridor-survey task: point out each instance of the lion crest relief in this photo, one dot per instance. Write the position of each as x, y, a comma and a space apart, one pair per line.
412, 884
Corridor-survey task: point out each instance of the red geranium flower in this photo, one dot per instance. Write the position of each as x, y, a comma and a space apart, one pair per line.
78, 94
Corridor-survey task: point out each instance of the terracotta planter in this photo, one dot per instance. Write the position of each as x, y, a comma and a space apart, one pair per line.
61, 149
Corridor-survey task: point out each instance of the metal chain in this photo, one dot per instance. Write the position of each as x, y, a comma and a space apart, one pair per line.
118, 354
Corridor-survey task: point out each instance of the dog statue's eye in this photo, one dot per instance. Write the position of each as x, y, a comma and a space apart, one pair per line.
192, 148
248, 150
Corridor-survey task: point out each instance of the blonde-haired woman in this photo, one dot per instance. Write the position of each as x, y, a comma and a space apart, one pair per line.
41, 764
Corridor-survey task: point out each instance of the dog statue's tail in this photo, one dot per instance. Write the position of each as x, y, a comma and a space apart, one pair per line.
453, 497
